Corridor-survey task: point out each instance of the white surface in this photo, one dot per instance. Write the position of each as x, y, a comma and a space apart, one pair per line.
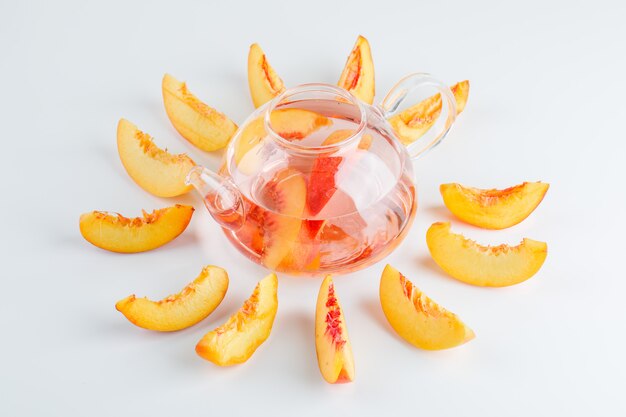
546, 103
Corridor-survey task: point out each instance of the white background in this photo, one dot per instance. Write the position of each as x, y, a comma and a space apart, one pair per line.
546, 103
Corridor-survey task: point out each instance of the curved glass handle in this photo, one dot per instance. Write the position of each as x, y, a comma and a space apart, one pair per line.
444, 105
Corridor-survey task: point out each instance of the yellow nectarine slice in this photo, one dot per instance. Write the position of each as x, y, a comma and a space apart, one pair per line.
413, 122
264, 83
203, 126
493, 209
236, 340
416, 318
178, 311
334, 352
296, 124
358, 73
487, 266
153, 169
117, 233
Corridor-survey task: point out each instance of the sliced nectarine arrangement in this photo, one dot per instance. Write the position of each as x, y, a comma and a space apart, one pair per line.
178, 311
117, 233
203, 126
416, 318
153, 169
236, 340
334, 352
487, 266
493, 209
263, 81
358, 73
293, 214
413, 122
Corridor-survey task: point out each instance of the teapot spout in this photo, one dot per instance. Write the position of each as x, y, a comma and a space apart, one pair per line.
220, 196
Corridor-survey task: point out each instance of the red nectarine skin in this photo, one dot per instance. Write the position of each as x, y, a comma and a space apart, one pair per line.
333, 319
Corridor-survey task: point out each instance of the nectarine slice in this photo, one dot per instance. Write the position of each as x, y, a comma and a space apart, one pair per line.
416, 318
264, 83
358, 73
413, 122
487, 266
236, 340
153, 169
493, 209
286, 194
117, 233
203, 126
321, 186
178, 311
304, 255
296, 124
334, 352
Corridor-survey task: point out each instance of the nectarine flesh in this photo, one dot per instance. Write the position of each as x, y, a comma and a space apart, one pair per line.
493, 209
203, 126
414, 122
178, 311
286, 194
236, 340
117, 233
416, 318
153, 169
487, 266
358, 73
334, 351
263, 81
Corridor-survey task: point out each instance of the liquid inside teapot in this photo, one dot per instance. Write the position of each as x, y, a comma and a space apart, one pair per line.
334, 209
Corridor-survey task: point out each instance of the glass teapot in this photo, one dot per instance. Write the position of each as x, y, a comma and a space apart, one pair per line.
316, 181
